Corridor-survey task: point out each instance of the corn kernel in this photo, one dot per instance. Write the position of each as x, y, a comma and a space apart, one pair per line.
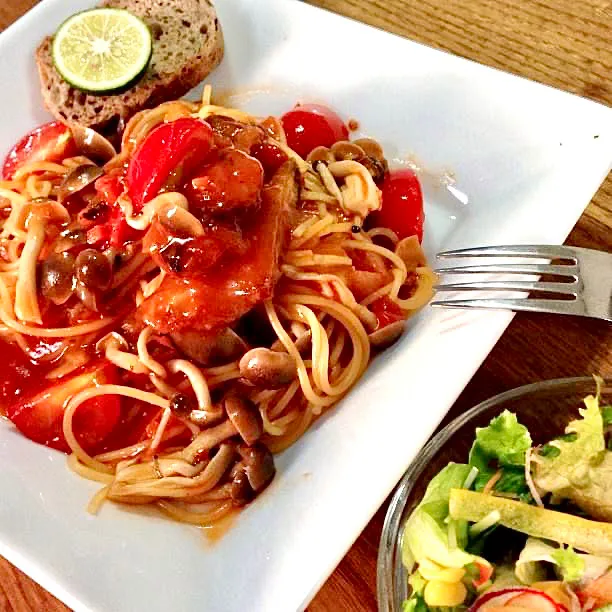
438, 593
451, 574
432, 571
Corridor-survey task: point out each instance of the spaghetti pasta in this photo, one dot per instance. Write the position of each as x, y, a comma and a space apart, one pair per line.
196, 327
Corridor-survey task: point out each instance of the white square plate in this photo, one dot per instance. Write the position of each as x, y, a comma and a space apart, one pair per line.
526, 159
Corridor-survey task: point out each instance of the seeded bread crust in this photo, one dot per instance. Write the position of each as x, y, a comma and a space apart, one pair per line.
187, 46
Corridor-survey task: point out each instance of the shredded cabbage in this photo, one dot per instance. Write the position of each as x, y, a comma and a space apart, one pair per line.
569, 565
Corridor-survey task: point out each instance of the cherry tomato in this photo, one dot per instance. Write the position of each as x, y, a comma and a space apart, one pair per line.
109, 188
484, 574
40, 416
174, 427
402, 205
18, 373
114, 232
179, 147
49, 142
111, 227
386, 311
311, 125
270, 156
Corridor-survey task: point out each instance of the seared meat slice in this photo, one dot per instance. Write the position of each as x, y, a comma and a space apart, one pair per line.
217, 299
231, 133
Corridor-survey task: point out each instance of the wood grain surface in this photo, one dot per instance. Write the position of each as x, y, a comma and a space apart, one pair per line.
561, 43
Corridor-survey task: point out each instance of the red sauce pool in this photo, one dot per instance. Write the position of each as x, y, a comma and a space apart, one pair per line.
20, 374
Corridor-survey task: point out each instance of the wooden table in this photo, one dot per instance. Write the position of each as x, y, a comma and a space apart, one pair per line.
558, 42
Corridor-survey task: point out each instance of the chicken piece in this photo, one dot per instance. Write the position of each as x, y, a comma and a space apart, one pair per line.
233, 180
186, 255
231, 133
221, 297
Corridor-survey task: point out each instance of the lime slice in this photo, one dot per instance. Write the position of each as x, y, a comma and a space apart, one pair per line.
102, 50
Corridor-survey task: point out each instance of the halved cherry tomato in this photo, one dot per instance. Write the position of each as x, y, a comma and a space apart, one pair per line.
49, 142
40, 416
99, 235
386, 311
112, 228
174, 428
18, 373
121, 232
484, 574
402, 205
363, 283
115, 232
109, 187
177, 147
312, 125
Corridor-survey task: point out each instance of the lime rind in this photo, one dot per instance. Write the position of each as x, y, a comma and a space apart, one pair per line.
102, 50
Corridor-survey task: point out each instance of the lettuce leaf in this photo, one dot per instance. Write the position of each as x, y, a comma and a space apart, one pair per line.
505, 441
415, 604
512, 481
502, 446
570, 564
426, 530
579, 453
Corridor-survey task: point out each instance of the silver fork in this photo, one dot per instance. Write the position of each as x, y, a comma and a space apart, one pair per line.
584, 287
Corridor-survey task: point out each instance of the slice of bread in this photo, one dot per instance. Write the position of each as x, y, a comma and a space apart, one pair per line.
187, 46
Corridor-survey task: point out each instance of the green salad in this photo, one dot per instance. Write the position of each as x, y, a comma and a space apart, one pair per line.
518, 527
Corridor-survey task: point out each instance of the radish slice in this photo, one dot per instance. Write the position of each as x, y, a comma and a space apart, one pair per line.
497, 598
518, 596
533, 601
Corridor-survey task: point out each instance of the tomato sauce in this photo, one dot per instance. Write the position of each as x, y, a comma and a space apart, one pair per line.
20, 374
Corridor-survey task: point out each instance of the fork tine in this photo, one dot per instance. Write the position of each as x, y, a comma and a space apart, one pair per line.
562, 270
519, 250
562, 288
574, 307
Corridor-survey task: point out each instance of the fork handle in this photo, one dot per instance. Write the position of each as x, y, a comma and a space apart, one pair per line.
563, 307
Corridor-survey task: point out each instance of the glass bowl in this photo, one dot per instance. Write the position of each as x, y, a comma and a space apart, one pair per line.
544, 407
